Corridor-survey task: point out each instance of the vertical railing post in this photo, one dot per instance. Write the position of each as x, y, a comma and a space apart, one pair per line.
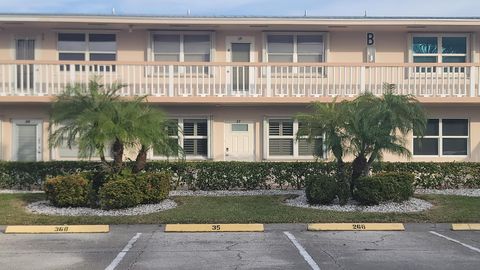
473, 75
362, 79
170, 80
268, 73
72, 74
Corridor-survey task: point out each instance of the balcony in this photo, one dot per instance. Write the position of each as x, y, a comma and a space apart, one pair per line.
245, 82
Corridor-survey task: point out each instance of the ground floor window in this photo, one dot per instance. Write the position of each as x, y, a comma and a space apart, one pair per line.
443, 137
282, 142
192, 136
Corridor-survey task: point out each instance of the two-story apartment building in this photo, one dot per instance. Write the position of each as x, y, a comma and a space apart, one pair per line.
234, 83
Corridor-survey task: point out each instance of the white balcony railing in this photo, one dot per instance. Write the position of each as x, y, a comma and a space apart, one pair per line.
40, 78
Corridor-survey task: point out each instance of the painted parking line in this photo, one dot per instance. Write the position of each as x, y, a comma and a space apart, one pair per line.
356, 227
456, 241
302, 251
466, 227
122, 253
214, 228
31, 229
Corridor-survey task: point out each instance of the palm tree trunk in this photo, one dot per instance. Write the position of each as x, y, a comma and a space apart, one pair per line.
368, 167
141, 159
118, 155
358, 170
343, 183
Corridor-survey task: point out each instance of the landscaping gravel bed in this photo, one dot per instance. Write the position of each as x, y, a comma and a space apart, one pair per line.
412, 205
44, 207
224, 193
14, 191
459, 191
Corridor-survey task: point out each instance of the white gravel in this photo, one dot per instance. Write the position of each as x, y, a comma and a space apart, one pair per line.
412, 205
45, 208
225, 193
459, 191
14, 191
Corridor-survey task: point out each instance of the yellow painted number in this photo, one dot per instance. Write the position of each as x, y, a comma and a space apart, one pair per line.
215, 227
61, 229
359, 226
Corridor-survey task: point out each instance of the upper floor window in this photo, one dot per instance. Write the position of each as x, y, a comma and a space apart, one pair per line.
91, 47
181, 47
439, 48
295, 48
87, 47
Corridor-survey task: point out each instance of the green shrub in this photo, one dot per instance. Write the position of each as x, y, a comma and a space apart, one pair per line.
222, 175
121, 193
321, 189
153, 186
69, 191
397, 187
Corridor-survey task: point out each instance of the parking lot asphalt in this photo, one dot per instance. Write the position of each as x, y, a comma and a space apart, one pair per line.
281, 246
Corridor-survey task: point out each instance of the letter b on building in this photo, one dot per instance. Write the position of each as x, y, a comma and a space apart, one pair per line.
370, 39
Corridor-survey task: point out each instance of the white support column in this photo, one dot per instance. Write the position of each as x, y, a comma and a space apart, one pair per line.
170, 81
264, 138
269, 80
473, 76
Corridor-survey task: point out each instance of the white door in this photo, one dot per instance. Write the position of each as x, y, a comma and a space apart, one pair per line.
27, 140
239, 141
240, 77
25, 77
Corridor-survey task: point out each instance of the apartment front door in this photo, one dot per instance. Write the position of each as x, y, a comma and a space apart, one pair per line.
25, 50
239, 141
27, 140
240, 50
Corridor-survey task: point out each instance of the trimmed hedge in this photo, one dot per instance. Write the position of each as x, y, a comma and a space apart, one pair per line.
153, 186
118, 194
384, 187
32, 175
321, 189
69, 191
243, 175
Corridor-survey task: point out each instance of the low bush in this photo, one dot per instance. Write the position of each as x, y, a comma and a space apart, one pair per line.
321, 189
121, 193
154, 187
383, 187
69, 191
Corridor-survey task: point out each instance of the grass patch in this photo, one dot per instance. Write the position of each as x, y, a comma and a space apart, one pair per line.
245, 209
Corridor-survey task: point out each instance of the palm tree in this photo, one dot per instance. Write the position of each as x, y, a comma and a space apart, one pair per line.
95, 117
80, 116
378, 125
366, 127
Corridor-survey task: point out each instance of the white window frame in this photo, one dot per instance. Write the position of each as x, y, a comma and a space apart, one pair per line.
295, 52
87, 51
295, 156
440, 138
151, 49
439, 53
55, 154
181, 137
